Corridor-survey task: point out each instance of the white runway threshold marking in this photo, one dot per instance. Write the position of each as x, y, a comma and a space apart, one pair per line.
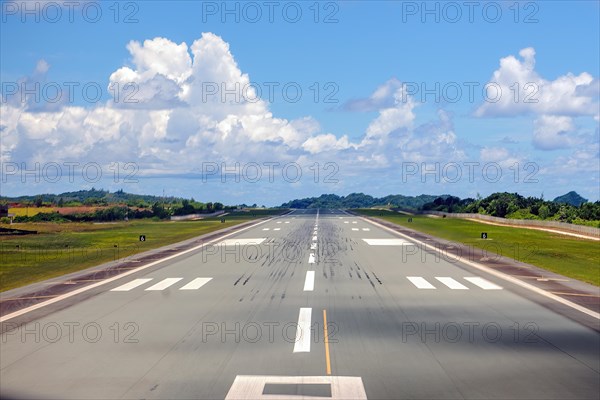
354, 229
302, 344
240, 242
165, 283
131, 285
314, 238
482, 283
311, 258
196, 284
387, 242
451, 283
420, 282
309, 282
253, 387
313, 246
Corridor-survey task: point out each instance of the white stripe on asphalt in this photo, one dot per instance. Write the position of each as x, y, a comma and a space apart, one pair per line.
277, 229
302, 344
266, 229
314, 238
311, 258
346, 222
131, 285
354, 229
165, 283
451, 283
240, 242
420, 282
387, 242
482, 283
309, 282
196, 284
366, 229
313, 246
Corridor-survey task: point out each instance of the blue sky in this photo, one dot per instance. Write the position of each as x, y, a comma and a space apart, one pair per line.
362, 121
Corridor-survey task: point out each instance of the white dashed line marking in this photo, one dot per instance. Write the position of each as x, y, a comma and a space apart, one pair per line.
130, 285
420, 282
240, 242
451, 283
165, 283
196, 284
387, 242
309, 282
482, 283
302, 344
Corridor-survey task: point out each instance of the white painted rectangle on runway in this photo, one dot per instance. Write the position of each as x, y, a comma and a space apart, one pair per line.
311, 258
196, 284
131, 285
313, 246
420, 282
354, 222
277, 229
354, 229
483, 283
253, 387
302, 344
309, 282
451, 283
366, 229
387, 242
314, 238
165, 283
346, 222
240, 242
266, 229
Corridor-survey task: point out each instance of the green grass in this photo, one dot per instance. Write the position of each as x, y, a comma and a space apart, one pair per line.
63, 248
569, 256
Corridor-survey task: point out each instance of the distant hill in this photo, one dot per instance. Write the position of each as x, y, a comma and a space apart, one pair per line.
92, 196
361, 200
572, 198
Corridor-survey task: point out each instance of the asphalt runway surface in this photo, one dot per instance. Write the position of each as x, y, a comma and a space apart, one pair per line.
313, 304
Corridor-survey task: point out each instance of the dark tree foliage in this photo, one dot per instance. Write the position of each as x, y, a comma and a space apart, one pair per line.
513, 205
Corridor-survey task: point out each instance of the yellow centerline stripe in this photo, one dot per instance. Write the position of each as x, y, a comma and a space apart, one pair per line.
326, 341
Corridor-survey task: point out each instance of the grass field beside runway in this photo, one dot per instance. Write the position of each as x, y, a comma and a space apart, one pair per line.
569, 256
62, 248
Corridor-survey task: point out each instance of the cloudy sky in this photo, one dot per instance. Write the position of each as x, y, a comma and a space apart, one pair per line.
262, 102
